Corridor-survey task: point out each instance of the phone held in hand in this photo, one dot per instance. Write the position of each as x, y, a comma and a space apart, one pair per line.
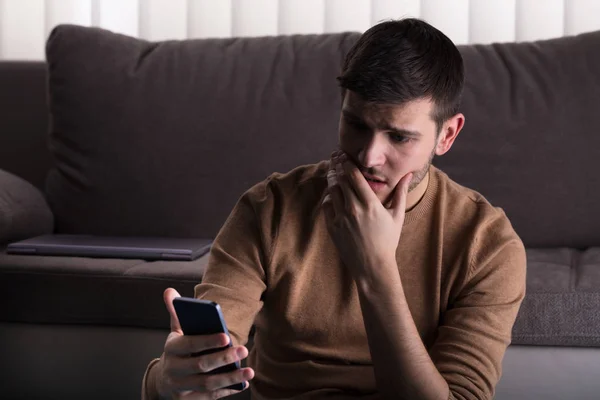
203, 317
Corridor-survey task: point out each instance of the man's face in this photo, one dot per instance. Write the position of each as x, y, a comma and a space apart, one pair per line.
387, 141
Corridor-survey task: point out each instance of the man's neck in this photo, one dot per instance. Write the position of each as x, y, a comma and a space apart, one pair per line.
415, 195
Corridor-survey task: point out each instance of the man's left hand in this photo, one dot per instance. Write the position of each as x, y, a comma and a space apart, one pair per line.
365, 231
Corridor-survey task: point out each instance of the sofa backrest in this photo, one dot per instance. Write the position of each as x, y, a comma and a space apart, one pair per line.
531, 142
163, 138
24, 121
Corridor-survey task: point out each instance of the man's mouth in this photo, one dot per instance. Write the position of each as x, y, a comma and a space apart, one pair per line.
376, 184
373, 179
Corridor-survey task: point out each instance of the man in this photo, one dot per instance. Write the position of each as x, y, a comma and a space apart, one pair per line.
371, 275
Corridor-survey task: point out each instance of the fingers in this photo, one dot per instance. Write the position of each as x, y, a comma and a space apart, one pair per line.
335, 155
348, 197
186, 345
398, 205
219, 394
204, 384
182, 366
357, 183
168, 297
199, 377
336, 194
329, 217
334, 197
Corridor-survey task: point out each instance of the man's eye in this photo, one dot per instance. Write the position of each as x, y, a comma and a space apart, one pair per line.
399, 138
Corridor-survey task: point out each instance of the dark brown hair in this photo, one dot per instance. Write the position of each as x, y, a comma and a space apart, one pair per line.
398, 61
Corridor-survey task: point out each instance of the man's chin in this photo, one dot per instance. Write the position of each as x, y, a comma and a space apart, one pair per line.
387, 197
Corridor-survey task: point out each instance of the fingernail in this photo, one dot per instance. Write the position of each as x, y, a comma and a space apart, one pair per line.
240, 352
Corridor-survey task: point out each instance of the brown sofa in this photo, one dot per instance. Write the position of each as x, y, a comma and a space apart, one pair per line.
115, 135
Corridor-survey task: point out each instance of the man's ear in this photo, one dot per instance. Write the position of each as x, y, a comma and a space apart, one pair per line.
450, 131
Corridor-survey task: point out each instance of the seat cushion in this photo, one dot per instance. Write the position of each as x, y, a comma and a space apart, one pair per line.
562, 304
79, 290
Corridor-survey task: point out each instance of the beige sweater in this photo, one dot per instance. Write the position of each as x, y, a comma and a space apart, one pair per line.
274, 265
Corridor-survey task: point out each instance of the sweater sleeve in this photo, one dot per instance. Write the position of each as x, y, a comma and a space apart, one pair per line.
235, 274
476, 328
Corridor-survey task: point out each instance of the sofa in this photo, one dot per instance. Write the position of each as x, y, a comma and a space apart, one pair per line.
114, 135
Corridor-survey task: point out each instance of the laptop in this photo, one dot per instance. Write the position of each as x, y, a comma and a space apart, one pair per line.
146, 248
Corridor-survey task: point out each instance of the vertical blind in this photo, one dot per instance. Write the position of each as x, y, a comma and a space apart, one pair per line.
25, 24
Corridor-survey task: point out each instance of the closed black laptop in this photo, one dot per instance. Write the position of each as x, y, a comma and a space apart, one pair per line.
146, 248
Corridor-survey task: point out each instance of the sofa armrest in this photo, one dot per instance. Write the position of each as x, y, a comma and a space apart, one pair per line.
24, 211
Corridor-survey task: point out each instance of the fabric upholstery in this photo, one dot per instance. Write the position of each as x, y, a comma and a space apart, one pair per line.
24, 120
531, 141
560, 308
187, 124
562, 304
24, 212
81, 290
162, 138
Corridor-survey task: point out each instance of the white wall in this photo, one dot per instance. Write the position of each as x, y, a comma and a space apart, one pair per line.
25, 24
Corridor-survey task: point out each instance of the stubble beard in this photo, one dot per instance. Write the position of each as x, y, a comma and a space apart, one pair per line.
417, 178
422, 173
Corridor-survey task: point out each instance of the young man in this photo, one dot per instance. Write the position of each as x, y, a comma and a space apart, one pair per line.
371, 275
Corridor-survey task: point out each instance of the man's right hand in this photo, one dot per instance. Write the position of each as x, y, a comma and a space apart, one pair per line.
181, 376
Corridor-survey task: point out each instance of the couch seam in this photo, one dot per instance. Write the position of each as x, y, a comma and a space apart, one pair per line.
128, 277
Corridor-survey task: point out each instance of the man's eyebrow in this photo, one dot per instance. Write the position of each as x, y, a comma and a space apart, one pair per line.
400, 131
386, 127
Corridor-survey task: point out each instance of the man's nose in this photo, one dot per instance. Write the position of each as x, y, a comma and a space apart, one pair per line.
373, 152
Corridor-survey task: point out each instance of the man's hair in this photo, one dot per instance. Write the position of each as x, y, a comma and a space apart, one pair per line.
398, 61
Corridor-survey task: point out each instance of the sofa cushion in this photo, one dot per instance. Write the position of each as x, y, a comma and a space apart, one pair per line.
24, 212
24, 120
160, 139
82, 290
562, 304
560, 307
531, 142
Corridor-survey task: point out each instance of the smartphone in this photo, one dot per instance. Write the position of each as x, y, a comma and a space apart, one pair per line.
203, 317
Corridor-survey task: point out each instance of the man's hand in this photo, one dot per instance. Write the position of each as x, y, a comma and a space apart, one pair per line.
181, 376
365, 231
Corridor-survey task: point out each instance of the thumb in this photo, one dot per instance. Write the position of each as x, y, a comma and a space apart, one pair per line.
398, 205
168, 297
